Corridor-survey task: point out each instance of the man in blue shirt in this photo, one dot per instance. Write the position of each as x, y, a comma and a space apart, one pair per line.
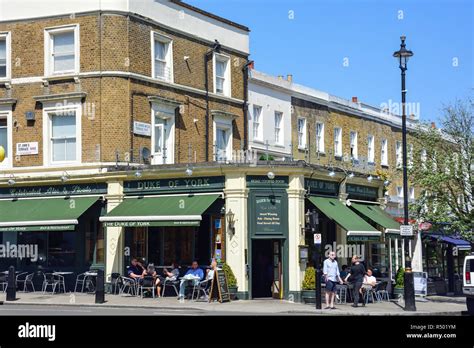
331, 277
193, 275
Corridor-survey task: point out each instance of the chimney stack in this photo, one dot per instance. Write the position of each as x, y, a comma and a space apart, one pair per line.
412, 116
355, 100
280, 77
433, 125
252, 65
289, 78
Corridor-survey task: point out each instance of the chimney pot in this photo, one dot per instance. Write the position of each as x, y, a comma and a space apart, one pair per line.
280, 77
354, 99
252, 65
289, 78
433, 125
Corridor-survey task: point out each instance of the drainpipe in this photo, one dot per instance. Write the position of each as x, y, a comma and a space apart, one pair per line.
215, 48
245, 106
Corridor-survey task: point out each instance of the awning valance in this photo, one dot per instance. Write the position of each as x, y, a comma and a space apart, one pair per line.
43, 214
461, 244
357, 229
374, 213
160, 211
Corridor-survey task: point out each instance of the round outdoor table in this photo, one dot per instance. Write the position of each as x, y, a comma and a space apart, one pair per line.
64, 274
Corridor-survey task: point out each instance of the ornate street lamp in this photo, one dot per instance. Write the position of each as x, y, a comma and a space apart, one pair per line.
402, 56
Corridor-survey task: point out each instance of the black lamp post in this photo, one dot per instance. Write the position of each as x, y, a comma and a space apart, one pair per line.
312, 219
402, 56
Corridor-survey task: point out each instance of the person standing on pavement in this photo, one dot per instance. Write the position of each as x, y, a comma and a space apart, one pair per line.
356, 274
331, 278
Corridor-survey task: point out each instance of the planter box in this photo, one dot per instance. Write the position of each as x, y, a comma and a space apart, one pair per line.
398, 292
308, 296
233, 292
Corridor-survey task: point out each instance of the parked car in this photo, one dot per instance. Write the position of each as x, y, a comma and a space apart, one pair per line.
468, 282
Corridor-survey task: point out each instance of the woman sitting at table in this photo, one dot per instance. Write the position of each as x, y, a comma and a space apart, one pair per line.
168, 275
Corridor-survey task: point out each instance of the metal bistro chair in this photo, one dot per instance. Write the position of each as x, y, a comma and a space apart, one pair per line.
381, 292
128, 284
202, 286
341, 292
116, 283
60, 281
83, 280
369, 292
28, 280
3, 282
50, 280
148, 282
171, 283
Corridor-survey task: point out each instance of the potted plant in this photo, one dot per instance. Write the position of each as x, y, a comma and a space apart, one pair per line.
309, 286
399, 283
231, 281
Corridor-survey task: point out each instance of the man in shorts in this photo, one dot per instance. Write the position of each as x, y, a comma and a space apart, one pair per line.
331, 277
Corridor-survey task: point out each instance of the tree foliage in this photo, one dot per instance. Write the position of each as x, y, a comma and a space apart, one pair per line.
442, 169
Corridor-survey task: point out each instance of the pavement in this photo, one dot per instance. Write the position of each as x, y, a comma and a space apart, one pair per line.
77, 304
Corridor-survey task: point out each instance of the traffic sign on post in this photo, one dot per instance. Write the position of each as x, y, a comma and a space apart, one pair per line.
317, 238
406, 230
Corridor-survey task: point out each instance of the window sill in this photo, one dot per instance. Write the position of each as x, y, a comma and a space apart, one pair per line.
281, 146
70, 76
164, 79
371, 163
338, 157
6, 81
386, 166
321, 153
258, 141
302, 148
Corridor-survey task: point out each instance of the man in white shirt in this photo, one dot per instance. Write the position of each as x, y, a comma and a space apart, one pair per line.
331, 277
369, 279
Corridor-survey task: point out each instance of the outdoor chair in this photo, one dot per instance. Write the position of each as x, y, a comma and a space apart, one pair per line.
84, 281
341, 293
25, 280
171, 283
51, 281
3, 283
203, 286
368, 292
381, 292
146, 283
116, 280
128, 284
60, 281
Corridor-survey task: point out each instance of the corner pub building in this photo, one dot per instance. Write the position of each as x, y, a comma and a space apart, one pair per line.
126, 147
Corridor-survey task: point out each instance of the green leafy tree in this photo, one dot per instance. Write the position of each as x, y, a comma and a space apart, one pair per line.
442, 169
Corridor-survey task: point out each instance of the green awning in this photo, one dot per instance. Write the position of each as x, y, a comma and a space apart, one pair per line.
43, 214
357, 228
160, 211
377, 215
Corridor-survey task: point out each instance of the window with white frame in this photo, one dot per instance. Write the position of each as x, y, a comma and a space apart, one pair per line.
62, 50
278, 130
62, 129
384, 152
412, 193
301, 127
337, 142
162, 133
4, 56
400, 192
370, 149
320, 137
398, 154
353, 144
257, 123
5, 138
223, 138
162, 57
222, 74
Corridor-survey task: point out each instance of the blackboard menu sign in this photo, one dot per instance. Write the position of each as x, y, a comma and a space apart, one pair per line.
219, 287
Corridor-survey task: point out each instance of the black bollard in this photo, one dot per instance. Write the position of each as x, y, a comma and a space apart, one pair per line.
99, 289
11, 287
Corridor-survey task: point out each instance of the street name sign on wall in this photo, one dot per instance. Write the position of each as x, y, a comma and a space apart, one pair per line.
23, 149
141, 128
406, 230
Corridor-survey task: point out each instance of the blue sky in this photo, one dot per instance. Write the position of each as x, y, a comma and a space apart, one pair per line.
325, 34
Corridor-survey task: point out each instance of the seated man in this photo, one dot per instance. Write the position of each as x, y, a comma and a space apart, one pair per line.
194, 275
369, 279
136, 270
167, 275
343, 272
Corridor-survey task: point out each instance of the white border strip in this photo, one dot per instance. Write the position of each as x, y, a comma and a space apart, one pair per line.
150, 218
38, 223
364, 233
392, 231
